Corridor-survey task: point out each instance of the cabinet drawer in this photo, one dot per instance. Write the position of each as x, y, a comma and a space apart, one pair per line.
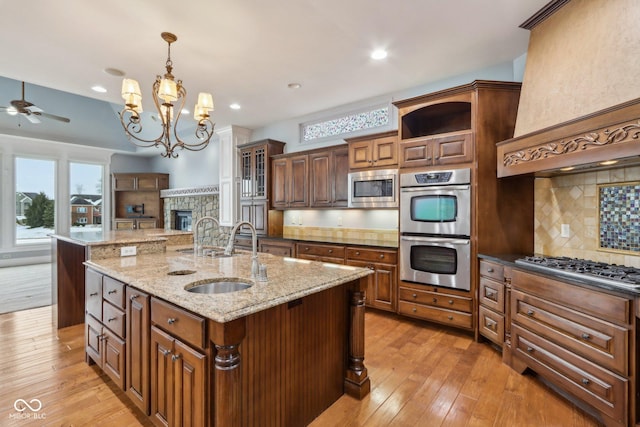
491, 325
599, 387
492, 294
327, 251
600, 304
113, 319
113, 291
594, 339
492, 269
178, 322
448, 317
437, 299
93, 294
276, 249
373, 255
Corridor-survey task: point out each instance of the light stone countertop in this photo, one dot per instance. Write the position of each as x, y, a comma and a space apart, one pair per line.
288, 279
110, 237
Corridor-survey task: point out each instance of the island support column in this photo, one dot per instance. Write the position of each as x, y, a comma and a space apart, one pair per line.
227, 378
357, 383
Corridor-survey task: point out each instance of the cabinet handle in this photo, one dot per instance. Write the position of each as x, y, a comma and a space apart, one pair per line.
530, 312
415, 310
451, 302
166, 352
357, 252
450, 317
112, 291
490, 293
414, 295
134, 297
529, 349
428, 157
586, 336
435, 300
171, 320
585, 381
330, 251
306, 248
93, 294
381, 256
490, 270
175, 357
111, 319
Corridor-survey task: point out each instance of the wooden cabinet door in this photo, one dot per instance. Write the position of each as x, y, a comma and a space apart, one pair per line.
416, 153
93, 343
137, 372
384, 287
147, 182
385, 151
320, 180
360, 154
298, 187
340, 177
162, 390
123, 182
113, 357
190, 372
142, 224
125, 224
453, 149
280, 186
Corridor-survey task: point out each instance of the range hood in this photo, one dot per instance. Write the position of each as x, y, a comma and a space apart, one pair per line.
579, 107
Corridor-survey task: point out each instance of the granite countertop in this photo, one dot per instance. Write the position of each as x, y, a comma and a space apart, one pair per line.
338, 240
288, 279
120, 236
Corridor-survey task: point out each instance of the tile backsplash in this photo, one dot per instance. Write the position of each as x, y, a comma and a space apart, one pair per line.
573, 200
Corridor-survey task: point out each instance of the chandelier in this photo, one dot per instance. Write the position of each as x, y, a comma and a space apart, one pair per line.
166, 93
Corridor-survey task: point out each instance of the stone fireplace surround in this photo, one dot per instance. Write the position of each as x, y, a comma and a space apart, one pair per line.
201, 201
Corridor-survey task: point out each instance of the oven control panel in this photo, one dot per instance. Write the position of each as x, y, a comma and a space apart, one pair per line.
433, 177
448, 177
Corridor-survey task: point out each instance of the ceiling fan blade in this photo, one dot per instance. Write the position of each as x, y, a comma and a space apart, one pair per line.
54, 117
35, 109
32, 118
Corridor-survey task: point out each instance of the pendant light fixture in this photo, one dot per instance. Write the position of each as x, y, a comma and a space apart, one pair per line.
166, 92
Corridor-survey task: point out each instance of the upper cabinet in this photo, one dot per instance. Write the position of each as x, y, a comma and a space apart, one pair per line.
290, 181
373, 151
136, 201
328, 177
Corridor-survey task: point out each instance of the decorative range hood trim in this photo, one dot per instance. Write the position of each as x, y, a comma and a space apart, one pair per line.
609, 134
192, 191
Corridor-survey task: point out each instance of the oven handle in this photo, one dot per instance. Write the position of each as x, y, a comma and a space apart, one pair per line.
435, 188
435, 240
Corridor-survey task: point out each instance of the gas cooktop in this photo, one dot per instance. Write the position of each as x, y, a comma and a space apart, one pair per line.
599, 272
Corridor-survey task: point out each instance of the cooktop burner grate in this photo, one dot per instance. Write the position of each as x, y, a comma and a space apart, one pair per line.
599, 272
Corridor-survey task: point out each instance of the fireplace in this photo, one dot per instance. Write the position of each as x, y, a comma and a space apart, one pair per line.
182, 220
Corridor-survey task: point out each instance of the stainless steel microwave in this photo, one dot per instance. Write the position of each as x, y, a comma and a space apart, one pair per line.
374, 189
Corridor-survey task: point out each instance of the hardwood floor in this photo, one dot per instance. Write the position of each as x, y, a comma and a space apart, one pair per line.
25, 287
421, 375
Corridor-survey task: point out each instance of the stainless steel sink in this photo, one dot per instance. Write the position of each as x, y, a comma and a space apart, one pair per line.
218, 286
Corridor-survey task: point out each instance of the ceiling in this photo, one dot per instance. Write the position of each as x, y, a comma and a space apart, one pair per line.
248, 51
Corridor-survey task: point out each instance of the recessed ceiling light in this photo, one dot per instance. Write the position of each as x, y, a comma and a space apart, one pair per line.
235, 106
294, 85
98, 89
378, 54
114, 72
185, 111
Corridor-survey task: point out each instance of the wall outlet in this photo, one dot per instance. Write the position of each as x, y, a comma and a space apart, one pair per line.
299, 219
339, 221
565, 230
127, 251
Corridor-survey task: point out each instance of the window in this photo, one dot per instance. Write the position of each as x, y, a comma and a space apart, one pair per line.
35, 200
85, 190
82, 209
370, 118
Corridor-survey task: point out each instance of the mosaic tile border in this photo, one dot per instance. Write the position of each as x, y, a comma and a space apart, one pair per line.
619, 218
370, 118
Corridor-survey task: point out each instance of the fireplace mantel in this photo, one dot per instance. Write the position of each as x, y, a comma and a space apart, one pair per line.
191, 191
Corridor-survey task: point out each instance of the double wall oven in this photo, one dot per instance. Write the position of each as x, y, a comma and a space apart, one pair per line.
435, 225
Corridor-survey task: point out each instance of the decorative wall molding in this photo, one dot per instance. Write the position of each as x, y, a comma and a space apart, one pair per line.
600, 138
192, 191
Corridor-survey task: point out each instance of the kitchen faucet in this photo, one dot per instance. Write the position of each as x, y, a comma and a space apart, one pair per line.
254, 241
195, 231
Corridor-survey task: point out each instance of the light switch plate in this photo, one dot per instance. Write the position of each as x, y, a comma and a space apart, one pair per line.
565, 230
127, 251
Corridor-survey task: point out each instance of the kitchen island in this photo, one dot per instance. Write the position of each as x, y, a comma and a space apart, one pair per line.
280, 352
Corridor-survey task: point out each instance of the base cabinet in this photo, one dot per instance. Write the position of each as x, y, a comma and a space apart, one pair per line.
382, 285
491, 299
578, 338
138, 353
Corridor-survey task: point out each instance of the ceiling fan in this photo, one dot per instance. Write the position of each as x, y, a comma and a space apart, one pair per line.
29, 110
